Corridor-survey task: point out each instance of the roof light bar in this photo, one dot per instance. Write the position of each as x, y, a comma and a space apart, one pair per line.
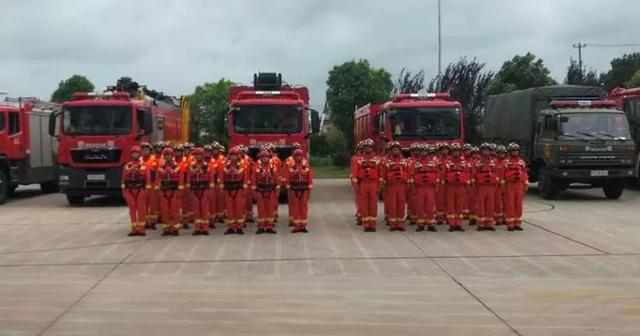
582, 103
267, 93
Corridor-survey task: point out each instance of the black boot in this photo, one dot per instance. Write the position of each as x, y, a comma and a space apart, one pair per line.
229, 231
400, 229
517, 228
239, 231
304, 230
259, 231
205, 233
166, 233
195, 233
452, 229
480, 228
185, 226
132, 234
432, 228
510, 229
459, 228
420, 229
490, 228
175, 233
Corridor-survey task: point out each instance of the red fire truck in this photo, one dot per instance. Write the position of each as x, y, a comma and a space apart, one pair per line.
410, 118
628, 100
96, 130
27, 153
270, 112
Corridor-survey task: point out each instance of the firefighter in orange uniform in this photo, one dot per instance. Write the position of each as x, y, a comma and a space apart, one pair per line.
516, 183
501, 156
187, 198
473, 193
466, 154
412, 214
247, 162
279, 164
486, 180
171, 185
208, 158
199, 181
394, 178
299, 181
441, 206
425, 177
218, 159
288, 163
158, 148
457, 178
366, 176
233, 179
135, 181
152, 196
354, 159
265, 183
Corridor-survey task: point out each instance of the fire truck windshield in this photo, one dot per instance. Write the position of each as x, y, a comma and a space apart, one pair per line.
97, 120
267, 119
425, 123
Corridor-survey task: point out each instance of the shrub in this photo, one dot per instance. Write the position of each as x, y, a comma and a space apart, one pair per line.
341, 159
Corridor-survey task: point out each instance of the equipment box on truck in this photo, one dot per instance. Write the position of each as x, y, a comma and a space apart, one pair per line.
570, 135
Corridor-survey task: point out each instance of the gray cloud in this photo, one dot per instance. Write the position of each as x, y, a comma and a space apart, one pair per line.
173, 46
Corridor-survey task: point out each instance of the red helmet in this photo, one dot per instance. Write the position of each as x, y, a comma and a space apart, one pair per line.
298, 152
167, 151
234, 150
135, 148
264, 153
198, 151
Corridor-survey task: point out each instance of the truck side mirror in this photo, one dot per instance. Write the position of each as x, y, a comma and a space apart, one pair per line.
315, 121
52, 123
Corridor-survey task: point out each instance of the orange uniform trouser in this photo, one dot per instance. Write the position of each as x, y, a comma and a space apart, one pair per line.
299, 207
472, 202
136, 201
213, 205
514, 193
201, 209
485, 205
499, 203
396, 203
411, 205
368, 192
187, 206
235, 207
425, 198
220, 202
441, 203
266, 210
248, 198
170, 203
455, 203
153, 206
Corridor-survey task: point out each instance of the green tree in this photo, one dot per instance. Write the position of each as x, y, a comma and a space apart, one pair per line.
635, 80
68, 87
468, 84
521, 72
578, 76
622, 69
208, 109
351, 84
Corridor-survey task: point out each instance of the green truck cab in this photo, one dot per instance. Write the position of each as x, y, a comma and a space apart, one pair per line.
570, 136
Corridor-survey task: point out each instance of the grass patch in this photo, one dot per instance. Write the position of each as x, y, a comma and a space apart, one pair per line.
330, 171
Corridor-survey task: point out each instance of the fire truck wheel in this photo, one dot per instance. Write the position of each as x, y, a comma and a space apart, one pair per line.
4, 187
75, 200
49, 187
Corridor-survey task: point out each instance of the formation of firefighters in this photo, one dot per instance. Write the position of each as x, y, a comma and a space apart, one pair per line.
436, 184
440, 184
177, 185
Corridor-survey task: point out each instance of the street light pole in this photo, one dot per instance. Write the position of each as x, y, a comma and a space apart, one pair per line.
580, 46
439, 46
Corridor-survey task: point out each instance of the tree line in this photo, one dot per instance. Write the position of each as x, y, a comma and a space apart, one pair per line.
358, 82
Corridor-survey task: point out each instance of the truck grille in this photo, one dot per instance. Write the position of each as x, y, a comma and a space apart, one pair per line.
595, 159
96, 155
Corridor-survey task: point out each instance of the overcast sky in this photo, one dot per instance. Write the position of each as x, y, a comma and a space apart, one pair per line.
172, 46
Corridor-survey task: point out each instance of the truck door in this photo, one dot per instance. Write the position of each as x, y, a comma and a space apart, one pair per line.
546, 127
159, 129
16, 143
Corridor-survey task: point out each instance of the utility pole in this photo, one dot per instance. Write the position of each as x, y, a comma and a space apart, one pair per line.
439, 47
579, 46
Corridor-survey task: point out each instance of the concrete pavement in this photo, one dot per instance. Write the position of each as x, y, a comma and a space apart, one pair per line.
575, 270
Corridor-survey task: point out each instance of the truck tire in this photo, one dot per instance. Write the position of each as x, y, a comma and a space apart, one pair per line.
75, 200
4, 187
546, 185
613, 190
49, 187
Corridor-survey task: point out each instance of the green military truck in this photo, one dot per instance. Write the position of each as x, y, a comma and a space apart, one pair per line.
570, 136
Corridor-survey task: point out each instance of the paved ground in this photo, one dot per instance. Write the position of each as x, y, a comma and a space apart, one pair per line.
575, 270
